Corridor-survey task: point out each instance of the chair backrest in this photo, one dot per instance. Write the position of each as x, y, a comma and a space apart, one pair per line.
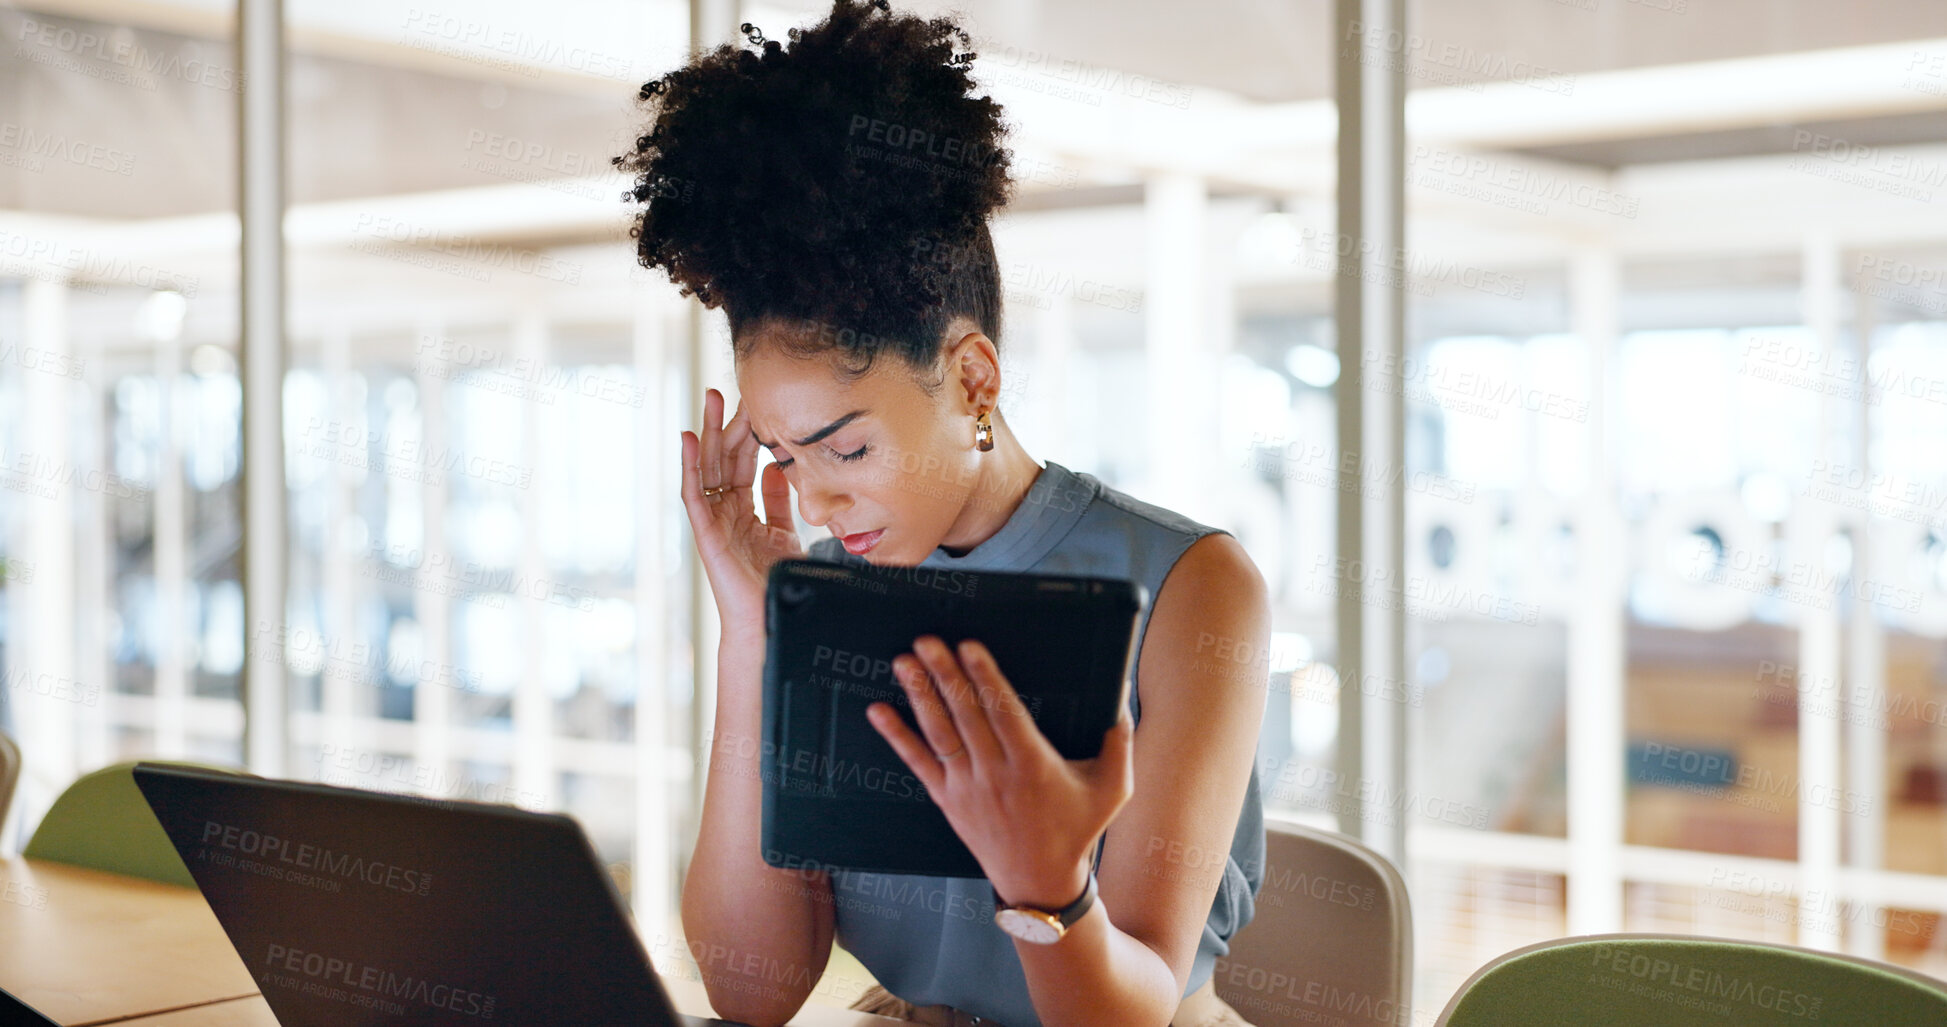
1609, 980
103, 822
9, 776
1331, 941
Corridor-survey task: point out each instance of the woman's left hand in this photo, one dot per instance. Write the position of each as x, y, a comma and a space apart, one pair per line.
1029, 816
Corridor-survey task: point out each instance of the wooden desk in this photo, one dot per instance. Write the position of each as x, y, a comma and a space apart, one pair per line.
83, 946
237, 1012
687, 996
86, 947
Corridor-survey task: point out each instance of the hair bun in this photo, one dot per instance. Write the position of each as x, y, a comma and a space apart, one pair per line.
823, 179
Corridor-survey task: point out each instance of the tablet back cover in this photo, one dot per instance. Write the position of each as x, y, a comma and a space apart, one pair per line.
835, 793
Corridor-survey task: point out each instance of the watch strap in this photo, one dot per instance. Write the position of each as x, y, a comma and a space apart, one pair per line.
1067, 915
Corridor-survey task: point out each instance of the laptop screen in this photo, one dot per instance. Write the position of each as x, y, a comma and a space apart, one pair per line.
358, 907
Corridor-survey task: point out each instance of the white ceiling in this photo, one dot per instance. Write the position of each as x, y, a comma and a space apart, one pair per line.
1700, 111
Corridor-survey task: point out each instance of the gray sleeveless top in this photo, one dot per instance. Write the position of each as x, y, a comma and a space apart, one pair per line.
932, 939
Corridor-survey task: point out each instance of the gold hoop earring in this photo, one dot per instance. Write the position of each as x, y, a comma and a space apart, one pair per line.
983, 434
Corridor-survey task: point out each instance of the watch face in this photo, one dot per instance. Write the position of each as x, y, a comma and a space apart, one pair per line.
1028, 927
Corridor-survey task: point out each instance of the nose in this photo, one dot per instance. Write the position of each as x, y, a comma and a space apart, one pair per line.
818, 504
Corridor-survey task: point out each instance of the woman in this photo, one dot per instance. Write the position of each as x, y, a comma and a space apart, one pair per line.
833, 199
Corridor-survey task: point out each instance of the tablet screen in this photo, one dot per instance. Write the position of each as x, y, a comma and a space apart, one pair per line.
835, 792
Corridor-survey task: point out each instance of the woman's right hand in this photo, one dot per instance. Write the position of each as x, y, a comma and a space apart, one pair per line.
736, 548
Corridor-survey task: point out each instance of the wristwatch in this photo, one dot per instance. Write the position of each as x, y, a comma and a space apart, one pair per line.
1040, 926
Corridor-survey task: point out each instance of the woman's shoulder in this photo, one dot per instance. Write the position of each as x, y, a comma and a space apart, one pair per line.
1113, 502
1206, 567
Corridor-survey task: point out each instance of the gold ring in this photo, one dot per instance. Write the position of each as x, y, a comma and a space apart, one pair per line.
716, 491
950, 755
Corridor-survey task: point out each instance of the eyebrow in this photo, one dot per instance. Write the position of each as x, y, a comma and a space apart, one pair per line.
814, 436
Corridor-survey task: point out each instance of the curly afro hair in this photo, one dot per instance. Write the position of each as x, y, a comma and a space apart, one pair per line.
839, 188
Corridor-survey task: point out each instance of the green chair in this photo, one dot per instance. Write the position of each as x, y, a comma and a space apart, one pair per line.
9, 776
1332, 939
103, 822
1624, 980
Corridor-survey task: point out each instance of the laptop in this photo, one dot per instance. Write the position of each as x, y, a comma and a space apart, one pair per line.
15, 1013
355, 907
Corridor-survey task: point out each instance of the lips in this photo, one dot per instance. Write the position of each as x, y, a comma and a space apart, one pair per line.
860, 543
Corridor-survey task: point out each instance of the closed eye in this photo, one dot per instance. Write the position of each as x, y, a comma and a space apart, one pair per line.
859, 454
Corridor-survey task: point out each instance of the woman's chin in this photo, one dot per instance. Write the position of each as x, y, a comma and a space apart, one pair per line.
883, 556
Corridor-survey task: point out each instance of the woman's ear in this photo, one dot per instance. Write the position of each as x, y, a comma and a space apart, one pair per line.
976, 371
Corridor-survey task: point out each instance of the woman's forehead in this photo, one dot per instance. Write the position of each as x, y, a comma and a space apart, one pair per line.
801, 402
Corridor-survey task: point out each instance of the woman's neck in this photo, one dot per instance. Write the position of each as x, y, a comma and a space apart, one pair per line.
1007, 473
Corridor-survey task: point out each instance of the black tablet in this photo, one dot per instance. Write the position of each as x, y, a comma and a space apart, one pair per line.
836, 795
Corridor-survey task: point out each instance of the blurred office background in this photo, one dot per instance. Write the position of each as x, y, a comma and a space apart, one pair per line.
1675, 380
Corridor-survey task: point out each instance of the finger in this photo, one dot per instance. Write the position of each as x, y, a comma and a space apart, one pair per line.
1012, 725
912, 751
969, 718
740, 453
686, 462
693, 498
777, 499
928, 708
1118, 743
703, 511
1114, 769
712, 463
